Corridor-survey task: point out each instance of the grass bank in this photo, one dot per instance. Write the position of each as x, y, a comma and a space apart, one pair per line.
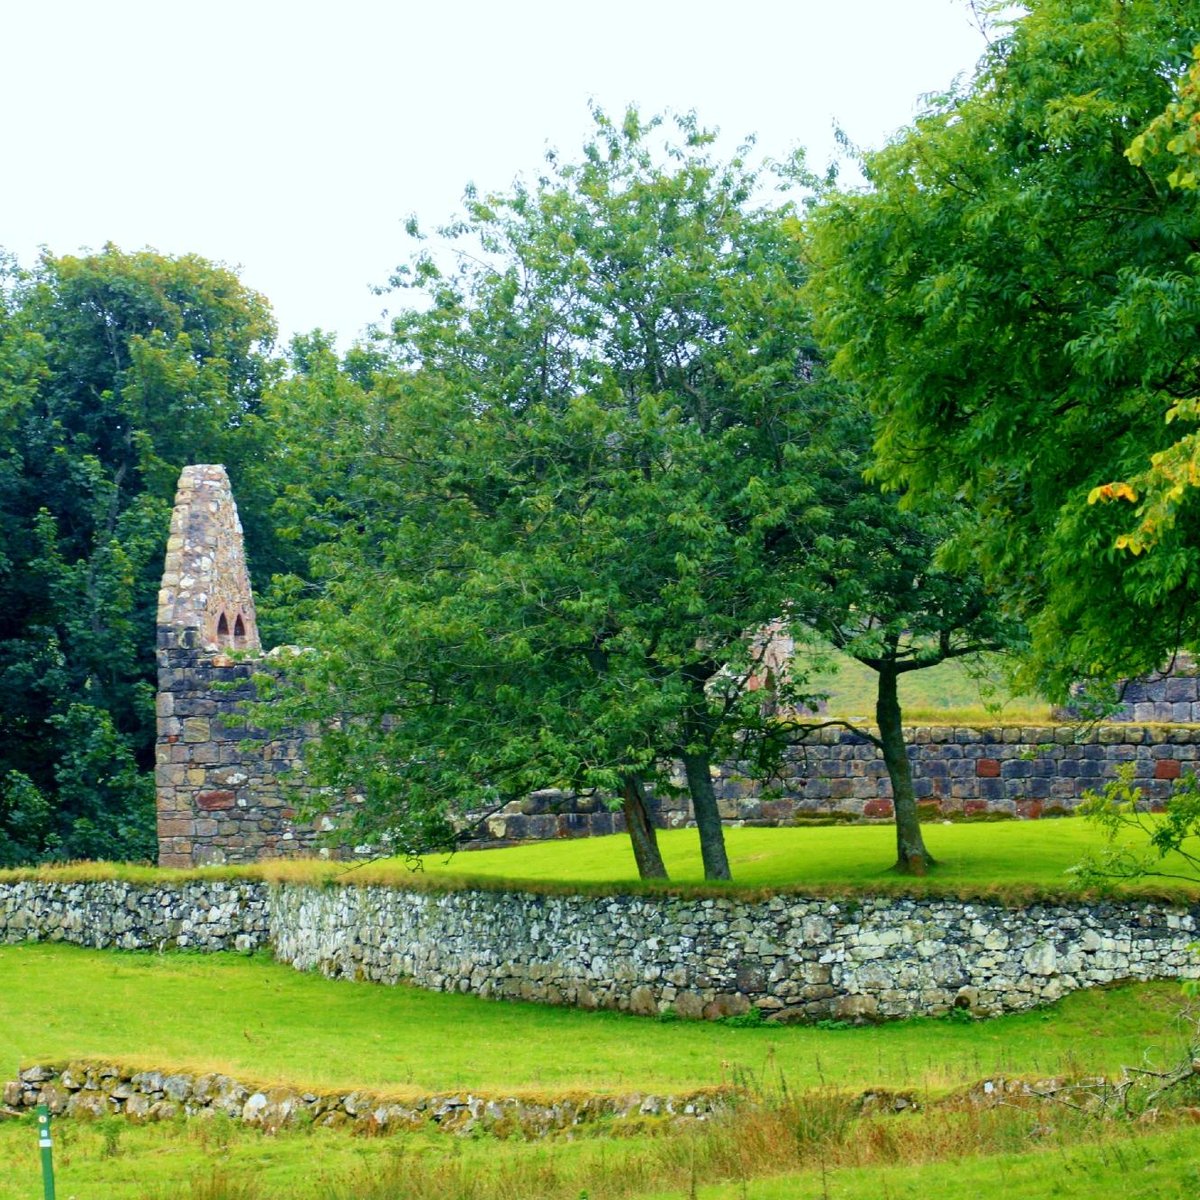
263, 1022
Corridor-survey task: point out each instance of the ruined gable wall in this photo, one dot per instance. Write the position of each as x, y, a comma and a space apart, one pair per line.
221, 789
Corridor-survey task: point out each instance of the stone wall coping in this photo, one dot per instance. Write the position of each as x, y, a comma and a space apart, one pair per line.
918, 891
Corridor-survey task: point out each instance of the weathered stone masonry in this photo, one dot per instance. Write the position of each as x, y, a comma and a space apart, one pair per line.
791, 957
222, 795
111, 914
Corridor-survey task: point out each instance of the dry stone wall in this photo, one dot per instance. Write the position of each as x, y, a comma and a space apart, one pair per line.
91, 1090
111, 914
790, 957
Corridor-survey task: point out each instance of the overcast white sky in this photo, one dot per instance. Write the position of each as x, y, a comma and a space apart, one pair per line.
291, 138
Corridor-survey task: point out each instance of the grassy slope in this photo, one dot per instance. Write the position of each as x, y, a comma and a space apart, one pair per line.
263, 1021
950, 693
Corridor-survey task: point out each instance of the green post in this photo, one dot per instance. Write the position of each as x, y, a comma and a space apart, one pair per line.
46, 1147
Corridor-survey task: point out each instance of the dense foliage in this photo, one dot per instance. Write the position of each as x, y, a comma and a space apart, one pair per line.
115, 370
585, 476
1020, 303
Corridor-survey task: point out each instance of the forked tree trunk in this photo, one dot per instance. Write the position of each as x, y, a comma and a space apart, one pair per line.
911, 856
708, 819
641, 829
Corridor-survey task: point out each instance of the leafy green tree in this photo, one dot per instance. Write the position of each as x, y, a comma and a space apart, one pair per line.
880, 596
1167, 846
579, 484
115, 370
1020, 302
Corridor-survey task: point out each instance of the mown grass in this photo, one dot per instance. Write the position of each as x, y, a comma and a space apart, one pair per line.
1014, 862
1010, 860
263, 1022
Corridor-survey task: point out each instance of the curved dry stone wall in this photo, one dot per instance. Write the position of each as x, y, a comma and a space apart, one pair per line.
791, 958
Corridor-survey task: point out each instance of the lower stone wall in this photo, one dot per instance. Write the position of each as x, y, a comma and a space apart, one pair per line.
1029, 772
110, 914
91, 1090
792, 958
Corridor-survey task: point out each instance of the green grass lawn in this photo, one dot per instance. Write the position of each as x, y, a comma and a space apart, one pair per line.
264, 1022
1013, 860
1017, 857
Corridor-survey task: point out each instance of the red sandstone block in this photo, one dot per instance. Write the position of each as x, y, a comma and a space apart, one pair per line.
208, 801
987, 768
1166, 768
877, 808
974, 806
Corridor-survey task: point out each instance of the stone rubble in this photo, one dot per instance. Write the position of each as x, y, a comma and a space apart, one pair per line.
90, 1090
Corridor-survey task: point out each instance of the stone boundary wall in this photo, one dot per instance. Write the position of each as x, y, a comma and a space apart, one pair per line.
792, 958
1027, 771
210, 915
89, 1089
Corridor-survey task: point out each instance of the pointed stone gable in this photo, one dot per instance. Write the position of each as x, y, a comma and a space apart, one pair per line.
206, 600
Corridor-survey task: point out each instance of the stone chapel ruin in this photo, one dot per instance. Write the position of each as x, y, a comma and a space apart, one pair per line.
224, 795
221, 796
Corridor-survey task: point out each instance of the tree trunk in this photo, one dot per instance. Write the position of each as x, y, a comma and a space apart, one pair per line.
911, 856
641, 830
708, 819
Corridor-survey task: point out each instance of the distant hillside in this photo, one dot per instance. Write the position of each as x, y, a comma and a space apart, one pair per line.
950, 693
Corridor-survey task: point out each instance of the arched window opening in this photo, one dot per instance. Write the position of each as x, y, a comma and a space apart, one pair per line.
239, 632
222, 630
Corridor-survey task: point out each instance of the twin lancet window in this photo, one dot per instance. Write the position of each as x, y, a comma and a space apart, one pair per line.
238, 638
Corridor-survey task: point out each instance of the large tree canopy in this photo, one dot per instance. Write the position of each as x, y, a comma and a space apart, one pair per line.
585, 478
115, 370
1020, 304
